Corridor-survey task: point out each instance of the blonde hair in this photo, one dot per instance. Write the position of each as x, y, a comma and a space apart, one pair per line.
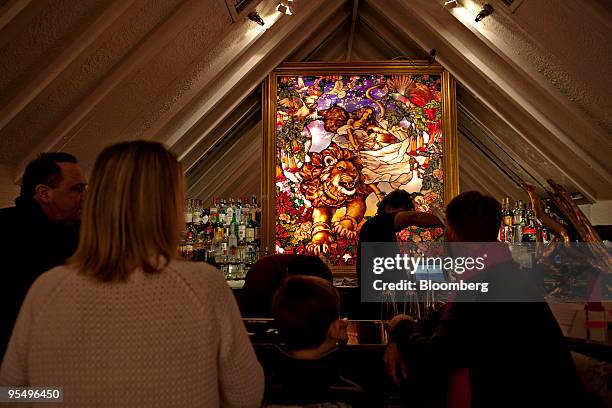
132, 212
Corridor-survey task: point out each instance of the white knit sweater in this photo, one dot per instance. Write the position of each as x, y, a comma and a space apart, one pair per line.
174, 339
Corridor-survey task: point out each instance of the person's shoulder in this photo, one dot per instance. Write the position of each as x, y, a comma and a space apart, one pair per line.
8, 213
198, 274
376, 224
54, 276
48, 283
369, 223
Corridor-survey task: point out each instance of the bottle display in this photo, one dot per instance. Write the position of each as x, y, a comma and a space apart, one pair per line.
226, 234
519, 223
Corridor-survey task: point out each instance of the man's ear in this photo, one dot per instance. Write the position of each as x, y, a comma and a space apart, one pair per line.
41, 193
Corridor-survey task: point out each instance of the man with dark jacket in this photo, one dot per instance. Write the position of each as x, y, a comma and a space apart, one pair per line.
395, 212
493, 353
40, 231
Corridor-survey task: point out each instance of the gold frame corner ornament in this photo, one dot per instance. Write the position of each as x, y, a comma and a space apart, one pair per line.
268, 169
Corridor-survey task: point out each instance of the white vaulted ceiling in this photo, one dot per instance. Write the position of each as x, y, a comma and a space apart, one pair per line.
533, 81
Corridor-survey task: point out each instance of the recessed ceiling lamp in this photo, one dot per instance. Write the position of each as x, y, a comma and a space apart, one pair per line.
449, 4
486, 11
284, 6
253, 16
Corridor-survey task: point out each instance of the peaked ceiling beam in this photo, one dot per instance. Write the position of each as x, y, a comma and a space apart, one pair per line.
14, 15
241, 114
538, 94
349, 50
11, 9
200, 151
226, 161
148, 48
330, 30
239, 80
395, 37
463, 59
473, 123
491, 179
80, 42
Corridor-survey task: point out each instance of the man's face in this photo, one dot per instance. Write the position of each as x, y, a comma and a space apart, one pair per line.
65, 202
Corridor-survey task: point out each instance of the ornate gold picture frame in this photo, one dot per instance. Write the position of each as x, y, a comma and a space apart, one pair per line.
336, 138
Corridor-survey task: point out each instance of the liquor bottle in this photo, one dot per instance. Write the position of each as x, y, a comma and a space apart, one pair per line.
507, 213
196, 211
213, 209
242, 228
257, 214
233, 238
188, 212
251, 254
190, 233
506, 233
530, 228
198, 248
250, 229
229, 211
239, 207
518, 221
223, 250
222, 212
218, 234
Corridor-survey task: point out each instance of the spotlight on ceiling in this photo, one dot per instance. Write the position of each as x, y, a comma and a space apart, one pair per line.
486, 11
253, 16
284, 6
449, 4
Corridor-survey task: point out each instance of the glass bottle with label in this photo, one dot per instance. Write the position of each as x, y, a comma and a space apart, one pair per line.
188, 212
530, 228
506, 233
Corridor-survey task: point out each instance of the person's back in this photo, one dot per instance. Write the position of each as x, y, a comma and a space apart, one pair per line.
515, 352
268, 274
155, 338
499, 347
125, 323
308, 364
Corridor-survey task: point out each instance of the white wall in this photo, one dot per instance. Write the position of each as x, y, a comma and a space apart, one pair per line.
599, 213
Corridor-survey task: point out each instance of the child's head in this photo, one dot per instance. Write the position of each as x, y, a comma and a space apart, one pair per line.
306, 310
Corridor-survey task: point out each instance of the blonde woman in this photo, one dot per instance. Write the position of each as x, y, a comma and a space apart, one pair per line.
124, 323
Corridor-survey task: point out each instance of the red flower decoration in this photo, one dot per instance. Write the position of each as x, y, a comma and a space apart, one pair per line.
431, 113
420, 95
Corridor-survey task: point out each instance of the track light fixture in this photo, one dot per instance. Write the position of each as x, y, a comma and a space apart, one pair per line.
253, 16
449, 4
486, 10
284, 6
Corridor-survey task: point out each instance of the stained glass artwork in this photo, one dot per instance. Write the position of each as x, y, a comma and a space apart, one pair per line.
342, 143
